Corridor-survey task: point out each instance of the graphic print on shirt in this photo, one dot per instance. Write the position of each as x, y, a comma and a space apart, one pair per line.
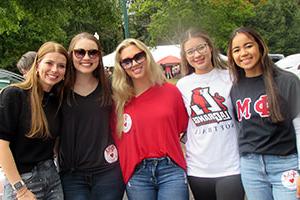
260, 107
127, 123
289, 179
111, 154
207, 108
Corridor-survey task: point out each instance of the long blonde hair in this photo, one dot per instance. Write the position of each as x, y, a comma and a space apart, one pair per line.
39, 125
122, 85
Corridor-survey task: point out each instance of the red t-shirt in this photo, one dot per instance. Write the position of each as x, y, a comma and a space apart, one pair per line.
153, 122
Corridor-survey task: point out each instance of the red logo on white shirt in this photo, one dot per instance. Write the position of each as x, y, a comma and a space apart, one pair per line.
111, 154
207, 108
289, 178
127, 123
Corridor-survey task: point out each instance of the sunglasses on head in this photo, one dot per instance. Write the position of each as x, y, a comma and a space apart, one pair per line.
138, 58
92, 53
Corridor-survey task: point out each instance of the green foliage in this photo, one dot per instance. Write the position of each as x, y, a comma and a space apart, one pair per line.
99, 16
278, 21
163, 21
26, 24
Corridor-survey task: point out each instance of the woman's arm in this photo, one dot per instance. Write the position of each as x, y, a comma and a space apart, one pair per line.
10, 170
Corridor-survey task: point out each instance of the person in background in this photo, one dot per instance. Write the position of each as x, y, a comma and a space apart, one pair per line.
25, 62
89, 162
29, 125
211, 148
266, 101
150, 116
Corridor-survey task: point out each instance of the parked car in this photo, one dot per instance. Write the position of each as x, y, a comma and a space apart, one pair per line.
290, 63
8, 77
276, 56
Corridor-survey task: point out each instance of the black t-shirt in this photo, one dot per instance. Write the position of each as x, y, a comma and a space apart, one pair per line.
257, 134
15, 121
86, 142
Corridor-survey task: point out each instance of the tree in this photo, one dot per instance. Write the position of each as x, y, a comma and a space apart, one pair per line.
26, 24
278, 22
103, 17
167, 20
31, 23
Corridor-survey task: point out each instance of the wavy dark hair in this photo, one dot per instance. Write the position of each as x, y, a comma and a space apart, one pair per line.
269, 70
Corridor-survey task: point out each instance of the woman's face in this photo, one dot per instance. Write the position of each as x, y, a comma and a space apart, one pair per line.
198, 55
133, 61
85, 56
246, 55
51, 69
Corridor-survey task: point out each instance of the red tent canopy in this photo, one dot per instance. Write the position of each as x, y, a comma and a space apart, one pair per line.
169, 60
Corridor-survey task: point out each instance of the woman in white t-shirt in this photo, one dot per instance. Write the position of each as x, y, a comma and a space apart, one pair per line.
211, 148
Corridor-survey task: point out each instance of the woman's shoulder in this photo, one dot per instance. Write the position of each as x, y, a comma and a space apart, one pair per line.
185, 80
13, 92
13, 95
286, 77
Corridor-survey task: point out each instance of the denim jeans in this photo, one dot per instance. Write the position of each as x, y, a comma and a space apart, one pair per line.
268, 177
108, 185
158, 179
43, 181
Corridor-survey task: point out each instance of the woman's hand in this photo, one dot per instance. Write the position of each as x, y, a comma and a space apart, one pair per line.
25, 194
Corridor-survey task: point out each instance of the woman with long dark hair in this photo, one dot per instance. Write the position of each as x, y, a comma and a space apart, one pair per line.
88, 157
266, 100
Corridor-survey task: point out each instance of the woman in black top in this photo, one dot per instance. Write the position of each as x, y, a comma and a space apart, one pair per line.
29, 124
88, 157
266, 100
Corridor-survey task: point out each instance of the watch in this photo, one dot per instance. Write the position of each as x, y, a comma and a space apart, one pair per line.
18, 185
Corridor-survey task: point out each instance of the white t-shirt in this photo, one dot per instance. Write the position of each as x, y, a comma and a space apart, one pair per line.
211, 148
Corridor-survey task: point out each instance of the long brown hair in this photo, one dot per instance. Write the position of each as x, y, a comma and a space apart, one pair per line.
268, 71
98, 73
216, 60
39, 125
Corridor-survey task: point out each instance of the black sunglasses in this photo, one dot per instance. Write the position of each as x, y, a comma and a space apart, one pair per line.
138, 58
92, 53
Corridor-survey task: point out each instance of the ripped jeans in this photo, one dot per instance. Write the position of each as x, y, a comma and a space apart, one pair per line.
158, 179
43, 181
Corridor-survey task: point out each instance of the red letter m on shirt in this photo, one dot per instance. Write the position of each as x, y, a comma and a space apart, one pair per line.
243, 109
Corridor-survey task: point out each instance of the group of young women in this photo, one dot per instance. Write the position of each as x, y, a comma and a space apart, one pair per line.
240, 118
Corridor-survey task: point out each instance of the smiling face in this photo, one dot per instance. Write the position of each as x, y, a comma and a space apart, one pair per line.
246, 54
138, 65
88, 63
51, 69
198, 55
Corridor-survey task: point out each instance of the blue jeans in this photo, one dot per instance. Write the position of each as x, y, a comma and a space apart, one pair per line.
268, 177
108, 185
158, 179
43, 181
